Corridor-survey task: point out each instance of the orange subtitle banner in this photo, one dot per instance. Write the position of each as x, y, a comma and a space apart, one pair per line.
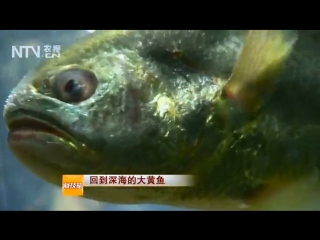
72, 185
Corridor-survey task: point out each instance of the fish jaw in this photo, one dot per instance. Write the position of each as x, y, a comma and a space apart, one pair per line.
48, 150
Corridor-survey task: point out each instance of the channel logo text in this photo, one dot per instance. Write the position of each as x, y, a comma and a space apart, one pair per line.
46, 51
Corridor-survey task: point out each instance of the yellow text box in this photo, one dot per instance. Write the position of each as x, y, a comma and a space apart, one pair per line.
72, 185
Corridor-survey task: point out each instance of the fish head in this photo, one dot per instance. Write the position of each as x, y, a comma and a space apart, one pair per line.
116, 102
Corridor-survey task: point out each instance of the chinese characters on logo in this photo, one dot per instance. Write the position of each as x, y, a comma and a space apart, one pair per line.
52, 51
72, 185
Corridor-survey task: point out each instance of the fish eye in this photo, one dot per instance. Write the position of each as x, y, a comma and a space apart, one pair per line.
74, 85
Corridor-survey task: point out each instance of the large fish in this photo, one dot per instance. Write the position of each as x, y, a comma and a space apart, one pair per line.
170, 102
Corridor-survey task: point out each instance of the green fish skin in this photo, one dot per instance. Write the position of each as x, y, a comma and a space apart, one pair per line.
161, 102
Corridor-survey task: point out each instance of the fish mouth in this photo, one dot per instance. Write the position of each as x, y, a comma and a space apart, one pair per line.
42, 144
24, 123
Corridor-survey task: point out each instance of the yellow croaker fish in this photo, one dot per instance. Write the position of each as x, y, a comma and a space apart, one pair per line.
160, 102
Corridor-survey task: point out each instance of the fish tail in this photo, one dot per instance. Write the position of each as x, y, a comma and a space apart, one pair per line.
261, 59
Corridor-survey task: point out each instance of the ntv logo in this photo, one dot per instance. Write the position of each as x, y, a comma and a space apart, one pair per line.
23, 51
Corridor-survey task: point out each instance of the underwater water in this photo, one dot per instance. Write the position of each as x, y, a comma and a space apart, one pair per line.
20, 189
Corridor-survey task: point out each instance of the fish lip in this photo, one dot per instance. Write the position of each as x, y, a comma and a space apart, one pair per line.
28, 120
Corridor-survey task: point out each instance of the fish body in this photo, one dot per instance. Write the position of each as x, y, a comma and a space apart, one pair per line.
166, 102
